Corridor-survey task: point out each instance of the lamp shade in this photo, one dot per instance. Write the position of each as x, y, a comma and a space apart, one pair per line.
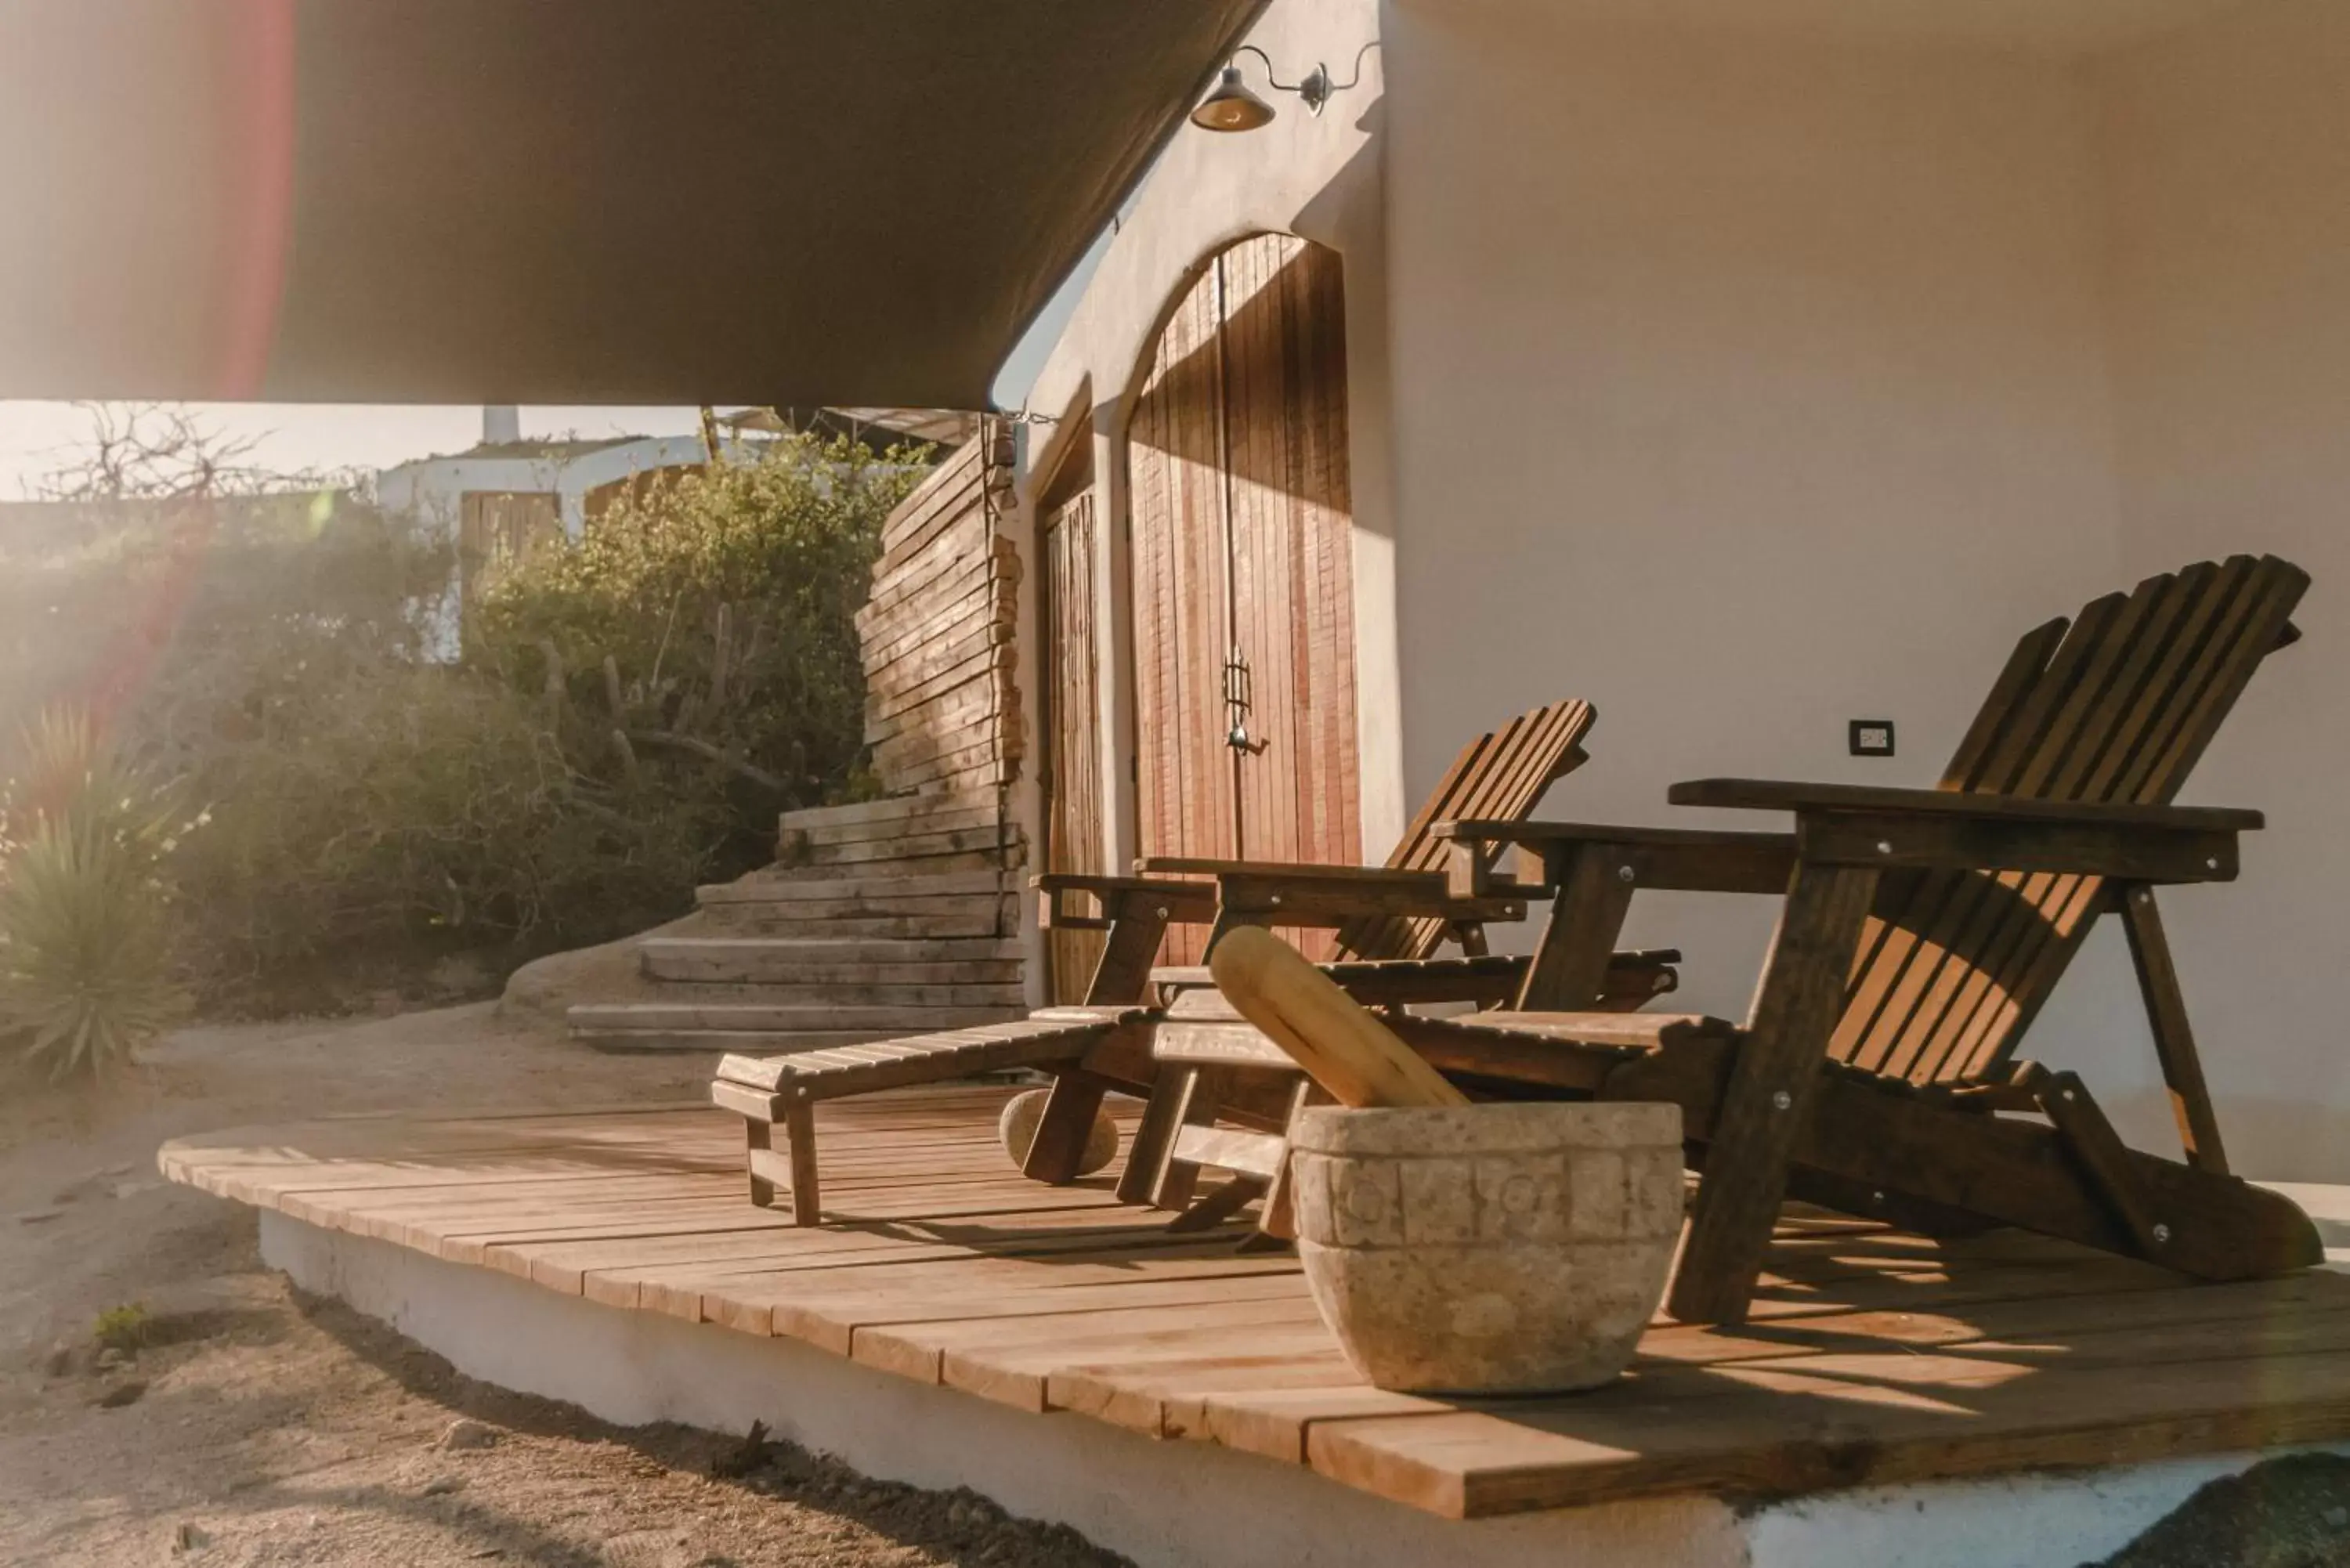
1231, 106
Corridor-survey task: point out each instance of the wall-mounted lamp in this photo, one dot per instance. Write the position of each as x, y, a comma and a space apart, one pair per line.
1233, 106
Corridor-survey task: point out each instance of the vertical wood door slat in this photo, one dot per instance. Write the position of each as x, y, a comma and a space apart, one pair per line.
1072, 767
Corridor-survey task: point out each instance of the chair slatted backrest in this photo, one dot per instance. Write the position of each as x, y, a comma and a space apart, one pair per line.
1496, 777
2114, 706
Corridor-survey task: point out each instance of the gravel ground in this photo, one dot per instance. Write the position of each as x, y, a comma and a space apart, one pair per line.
2289, 1513
245, 1423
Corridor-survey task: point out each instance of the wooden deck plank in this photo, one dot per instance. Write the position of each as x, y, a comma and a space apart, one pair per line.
1872, 1355
796, 1303
1796, 1438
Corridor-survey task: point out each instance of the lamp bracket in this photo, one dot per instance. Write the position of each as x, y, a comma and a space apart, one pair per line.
1316, 88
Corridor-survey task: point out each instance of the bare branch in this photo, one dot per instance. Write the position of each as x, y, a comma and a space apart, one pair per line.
701, 748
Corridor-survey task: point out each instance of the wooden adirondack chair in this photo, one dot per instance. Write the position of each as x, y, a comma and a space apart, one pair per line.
1399, 911
1923, 930
1390, 922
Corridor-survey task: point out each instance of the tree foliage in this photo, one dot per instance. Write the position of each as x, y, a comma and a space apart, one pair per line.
629, 711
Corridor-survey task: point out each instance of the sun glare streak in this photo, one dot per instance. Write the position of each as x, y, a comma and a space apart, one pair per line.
257, 187
128, 668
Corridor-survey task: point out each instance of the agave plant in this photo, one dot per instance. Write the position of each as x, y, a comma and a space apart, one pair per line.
85, 963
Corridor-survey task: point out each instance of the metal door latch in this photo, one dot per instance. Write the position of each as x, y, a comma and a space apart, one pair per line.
1239, 691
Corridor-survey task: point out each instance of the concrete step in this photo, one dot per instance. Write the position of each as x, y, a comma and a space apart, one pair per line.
832, 950
909, 908
862, 990
816, 885
991, 838
880, 818
952, 813
748, 1042
790, 1016
961, 926
799, 961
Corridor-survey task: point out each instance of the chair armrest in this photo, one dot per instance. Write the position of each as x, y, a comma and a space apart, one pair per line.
1665, 858
1769, 794
1283, 893
1270, 893
1101, 882
1160, 897
1852, 824
1303, 870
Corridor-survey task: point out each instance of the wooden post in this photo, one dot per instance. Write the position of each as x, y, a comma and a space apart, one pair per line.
1769, 1090
2174, 1039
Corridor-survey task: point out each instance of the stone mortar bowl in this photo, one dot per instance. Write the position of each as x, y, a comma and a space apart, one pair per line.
1491, 1248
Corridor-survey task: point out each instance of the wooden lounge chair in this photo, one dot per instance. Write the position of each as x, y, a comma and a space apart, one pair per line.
1389, 923
1923, 930
769, 1092
1390, 919
1397, 911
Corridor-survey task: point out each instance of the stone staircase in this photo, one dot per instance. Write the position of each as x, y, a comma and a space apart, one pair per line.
889, 917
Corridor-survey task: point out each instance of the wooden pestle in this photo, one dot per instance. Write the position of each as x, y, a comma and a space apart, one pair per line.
1353, 1055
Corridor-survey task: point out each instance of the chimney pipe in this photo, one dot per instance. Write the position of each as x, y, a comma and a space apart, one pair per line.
501, 423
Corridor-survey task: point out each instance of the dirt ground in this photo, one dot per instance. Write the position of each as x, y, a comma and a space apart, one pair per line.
254, 1426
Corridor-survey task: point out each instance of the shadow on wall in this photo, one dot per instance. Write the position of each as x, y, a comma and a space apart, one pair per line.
1195, 411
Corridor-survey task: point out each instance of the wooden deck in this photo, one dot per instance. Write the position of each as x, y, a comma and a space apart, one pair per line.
1872, 1355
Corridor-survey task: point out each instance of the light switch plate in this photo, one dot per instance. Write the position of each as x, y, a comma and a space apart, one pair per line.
1872, 737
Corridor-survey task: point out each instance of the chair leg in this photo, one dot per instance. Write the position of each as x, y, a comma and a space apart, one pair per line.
2174, 1040
1767, 1102
1064, 1128
1138, 924
1868, 1148
1277, 1221
1154, 1137
758, 1138
1569, 968
2103, 1158
799, 1126
1181, 1177
1218, 1206
1153, 1176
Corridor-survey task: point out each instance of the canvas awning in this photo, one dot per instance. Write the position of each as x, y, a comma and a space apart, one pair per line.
767, 202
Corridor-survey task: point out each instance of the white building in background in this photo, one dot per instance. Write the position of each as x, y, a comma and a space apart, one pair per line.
574, 472
502, 463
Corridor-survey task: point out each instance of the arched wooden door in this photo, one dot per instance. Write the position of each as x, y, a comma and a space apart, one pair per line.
1243, 568
1071, 771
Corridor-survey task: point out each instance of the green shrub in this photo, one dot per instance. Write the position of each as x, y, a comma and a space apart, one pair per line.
124, 1328
630, 711
725, 600
85, 963
408, 815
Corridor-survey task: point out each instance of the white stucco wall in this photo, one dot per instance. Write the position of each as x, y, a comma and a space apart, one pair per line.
1747, 382
2227, 152
1752, 366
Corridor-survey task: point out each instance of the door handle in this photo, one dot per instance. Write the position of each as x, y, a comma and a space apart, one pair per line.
1239, 702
